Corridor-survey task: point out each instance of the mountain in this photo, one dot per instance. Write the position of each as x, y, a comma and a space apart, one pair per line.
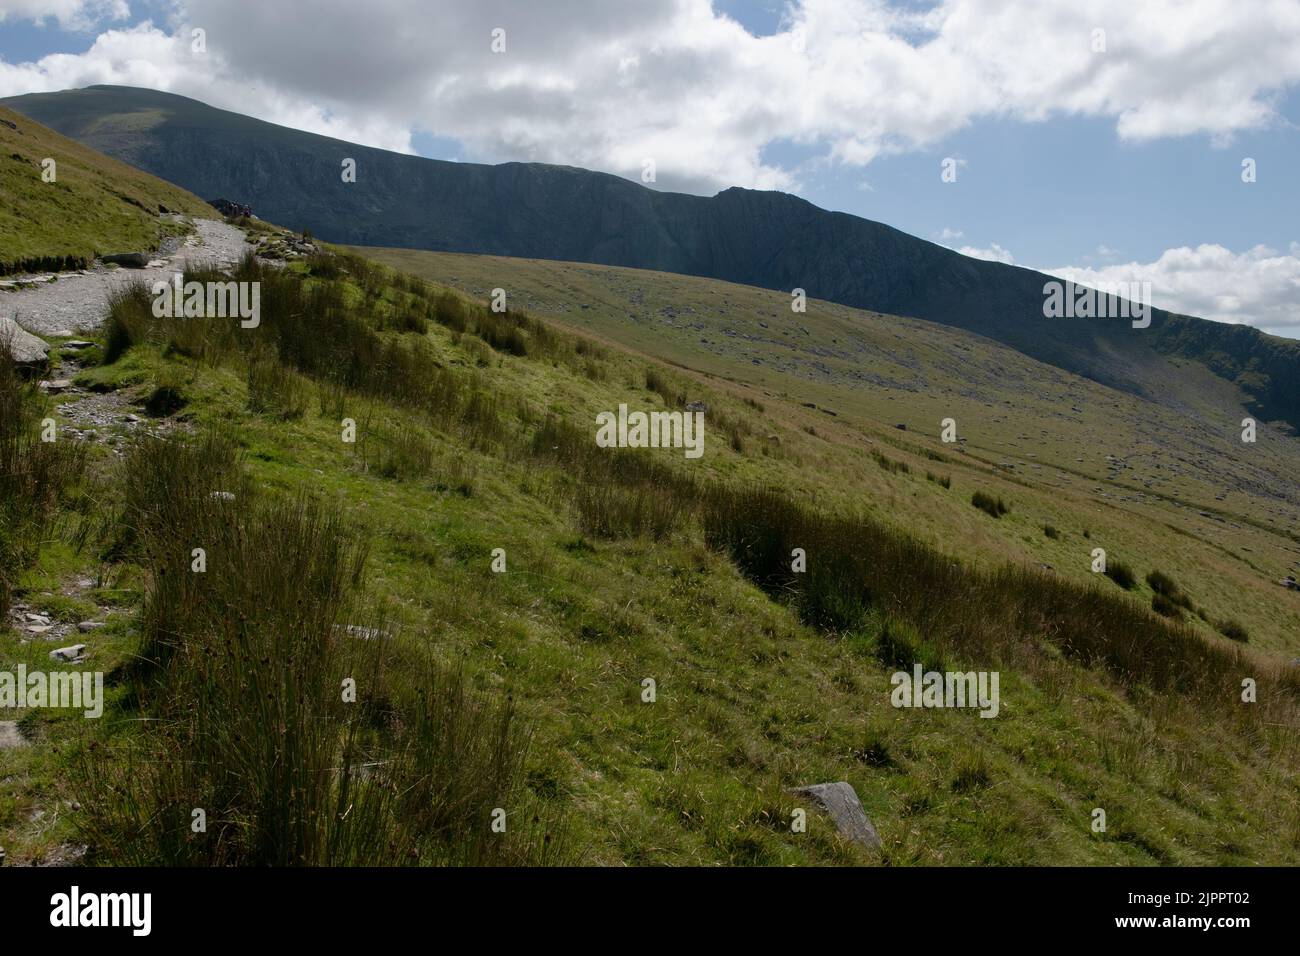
90, 205
531, 210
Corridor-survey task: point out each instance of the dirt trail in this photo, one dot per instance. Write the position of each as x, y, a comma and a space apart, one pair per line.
78, 300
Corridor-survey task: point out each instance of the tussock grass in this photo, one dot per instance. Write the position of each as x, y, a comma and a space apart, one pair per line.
857, 566
1169, 599
1120, 573
889, 464
274, 389
244, 671
992, 506
35, 475
1233, 630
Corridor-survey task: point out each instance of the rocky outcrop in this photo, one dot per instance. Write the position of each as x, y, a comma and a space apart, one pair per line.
234, 210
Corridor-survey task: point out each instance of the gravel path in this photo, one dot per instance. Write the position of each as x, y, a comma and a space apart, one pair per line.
77, 302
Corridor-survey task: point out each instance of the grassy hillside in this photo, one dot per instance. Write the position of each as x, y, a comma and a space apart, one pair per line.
95, 205
523, 687
1158, 483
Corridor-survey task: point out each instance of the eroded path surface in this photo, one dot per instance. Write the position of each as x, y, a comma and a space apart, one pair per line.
78, 300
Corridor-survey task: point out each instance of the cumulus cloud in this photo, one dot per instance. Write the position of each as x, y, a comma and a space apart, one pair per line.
1260, 286
147, 56
608, 84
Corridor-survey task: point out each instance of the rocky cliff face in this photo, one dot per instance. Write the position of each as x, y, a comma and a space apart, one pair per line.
530, 210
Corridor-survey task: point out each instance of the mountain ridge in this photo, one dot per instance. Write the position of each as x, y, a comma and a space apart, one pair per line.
528, 210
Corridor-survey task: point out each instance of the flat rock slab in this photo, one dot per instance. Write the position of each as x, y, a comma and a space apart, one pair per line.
10, 738
25, 348
841, 803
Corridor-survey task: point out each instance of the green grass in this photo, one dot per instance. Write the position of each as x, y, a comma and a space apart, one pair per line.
94, 206
35, 475
620, 566
1065, 451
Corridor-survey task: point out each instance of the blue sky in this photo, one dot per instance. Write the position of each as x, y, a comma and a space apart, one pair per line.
1056, 191
1049, 175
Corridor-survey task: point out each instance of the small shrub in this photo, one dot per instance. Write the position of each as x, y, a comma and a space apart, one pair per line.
1234, 630
323, 266
657, 381
449, 310
972, 774
1166, 588
1166, 608
609, 510
276, 390
1121, 574
994, 507
164, 401
401, 451
889, 465
874, 752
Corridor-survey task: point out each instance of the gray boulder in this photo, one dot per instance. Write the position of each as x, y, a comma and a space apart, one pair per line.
840, 801
72, 654
25, 348
11, 737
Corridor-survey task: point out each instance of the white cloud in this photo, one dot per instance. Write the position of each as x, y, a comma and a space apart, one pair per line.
994, 253
607, 84
1259, 287
147, 56
68, 14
